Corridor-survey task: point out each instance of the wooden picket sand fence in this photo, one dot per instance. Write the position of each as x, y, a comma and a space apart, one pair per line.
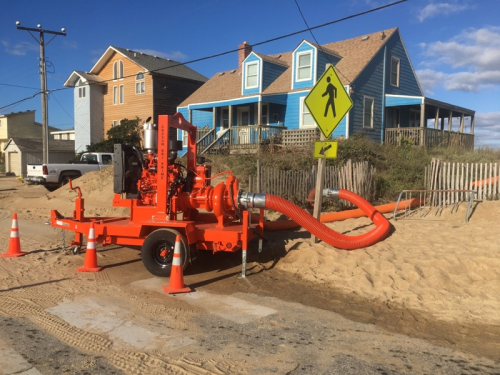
481, 178
296, 185
450, 184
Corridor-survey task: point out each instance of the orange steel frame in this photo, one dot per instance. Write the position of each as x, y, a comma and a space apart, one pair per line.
216, 231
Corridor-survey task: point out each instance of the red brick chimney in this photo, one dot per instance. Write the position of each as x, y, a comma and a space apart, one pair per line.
244, 51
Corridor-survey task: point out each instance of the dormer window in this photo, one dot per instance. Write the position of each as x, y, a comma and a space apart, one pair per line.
118, 70
304, 66
251, 80
140, 84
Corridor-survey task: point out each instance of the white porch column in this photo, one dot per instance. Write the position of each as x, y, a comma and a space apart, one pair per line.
436, 119
472, 124
423, 124
462, 123
450, 121
259, 120
230, 122
214, 117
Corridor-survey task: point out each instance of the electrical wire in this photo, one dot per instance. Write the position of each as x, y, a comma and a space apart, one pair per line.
253, 45
316, 40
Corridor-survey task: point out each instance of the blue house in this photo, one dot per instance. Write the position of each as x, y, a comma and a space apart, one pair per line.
262, 100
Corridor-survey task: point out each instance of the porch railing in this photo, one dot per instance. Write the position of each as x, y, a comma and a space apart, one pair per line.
429, 137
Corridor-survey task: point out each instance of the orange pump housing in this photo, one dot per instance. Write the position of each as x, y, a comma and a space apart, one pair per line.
206, 216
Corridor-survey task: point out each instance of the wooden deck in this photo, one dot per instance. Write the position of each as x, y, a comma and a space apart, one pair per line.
429, 137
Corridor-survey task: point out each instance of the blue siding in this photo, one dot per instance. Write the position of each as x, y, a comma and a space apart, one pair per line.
408, 84
323, 60
369, 83
304, 47
199, 118
270, 72
395, 101
292, 115
252, 58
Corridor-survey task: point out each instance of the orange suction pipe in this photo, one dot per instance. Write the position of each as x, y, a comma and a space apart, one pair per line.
274, 226
321, 231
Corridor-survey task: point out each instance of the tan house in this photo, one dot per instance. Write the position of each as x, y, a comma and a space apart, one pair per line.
20, 125
126, 84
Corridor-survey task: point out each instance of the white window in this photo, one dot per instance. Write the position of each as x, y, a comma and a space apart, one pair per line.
81, 92
115, 95
118, 70
304, 66
140, 84
251, 79
395, 72
122, 90
306, 119
368, 104
115, 123
184, 138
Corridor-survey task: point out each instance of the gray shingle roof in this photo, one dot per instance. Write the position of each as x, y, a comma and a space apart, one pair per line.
159, 65
35, 144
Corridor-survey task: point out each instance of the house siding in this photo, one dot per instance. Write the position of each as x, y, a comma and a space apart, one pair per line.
270, 72
408, 84
323, 60
369, 83
133, 106
169, 92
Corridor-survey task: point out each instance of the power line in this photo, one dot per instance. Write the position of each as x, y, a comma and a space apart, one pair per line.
20, 87
257, 44
316, 40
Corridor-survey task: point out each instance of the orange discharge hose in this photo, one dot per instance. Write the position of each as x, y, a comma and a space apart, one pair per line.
328, 235
274, 226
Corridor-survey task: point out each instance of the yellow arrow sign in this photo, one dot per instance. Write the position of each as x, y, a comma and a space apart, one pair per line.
328, 102
325, 149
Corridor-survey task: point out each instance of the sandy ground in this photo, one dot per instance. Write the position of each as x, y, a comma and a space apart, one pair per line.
434, 278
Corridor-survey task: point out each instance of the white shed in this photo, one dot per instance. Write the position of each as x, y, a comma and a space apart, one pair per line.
19, 152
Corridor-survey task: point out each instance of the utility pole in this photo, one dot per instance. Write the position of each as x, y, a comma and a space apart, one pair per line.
43, 81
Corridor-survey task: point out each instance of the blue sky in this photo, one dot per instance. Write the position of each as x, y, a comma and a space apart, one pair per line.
454, 45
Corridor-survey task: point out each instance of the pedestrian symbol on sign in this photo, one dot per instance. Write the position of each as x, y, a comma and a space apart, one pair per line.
331, 91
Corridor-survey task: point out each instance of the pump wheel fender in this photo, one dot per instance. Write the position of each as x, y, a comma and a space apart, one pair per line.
158, 251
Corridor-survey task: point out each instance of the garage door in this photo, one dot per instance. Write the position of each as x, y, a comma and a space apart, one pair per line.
14, 163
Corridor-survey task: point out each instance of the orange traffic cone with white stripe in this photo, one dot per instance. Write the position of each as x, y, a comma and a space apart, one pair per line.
90, 261
15, 242
176, 284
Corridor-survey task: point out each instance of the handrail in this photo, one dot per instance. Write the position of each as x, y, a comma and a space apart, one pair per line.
424, 200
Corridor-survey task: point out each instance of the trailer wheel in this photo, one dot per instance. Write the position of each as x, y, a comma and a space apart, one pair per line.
158, 251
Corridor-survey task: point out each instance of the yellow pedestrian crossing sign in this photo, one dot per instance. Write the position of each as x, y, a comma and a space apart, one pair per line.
328, 102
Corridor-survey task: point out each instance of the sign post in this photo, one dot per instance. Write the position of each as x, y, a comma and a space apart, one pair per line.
328, 103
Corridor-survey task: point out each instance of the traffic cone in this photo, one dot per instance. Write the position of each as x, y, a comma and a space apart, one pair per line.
176, 284
14, 243
90, 261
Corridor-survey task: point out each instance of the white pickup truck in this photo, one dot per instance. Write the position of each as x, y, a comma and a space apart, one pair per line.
55, 175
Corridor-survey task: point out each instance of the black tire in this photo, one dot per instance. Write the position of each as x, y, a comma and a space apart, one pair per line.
158, 251
65, 179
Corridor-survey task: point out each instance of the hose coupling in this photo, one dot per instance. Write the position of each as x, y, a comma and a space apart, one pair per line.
252, 200
330, 193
